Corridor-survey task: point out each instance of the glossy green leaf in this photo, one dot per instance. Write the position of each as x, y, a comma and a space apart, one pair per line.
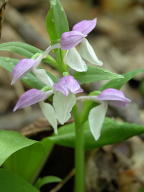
45, 180
56, 21
29, 161
95, 74
20, 48
10, 142
25, 50
10, 182
112, 132
118, 83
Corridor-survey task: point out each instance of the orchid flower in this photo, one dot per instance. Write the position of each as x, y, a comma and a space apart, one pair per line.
63, 100
97, 114
26, 65
69, 40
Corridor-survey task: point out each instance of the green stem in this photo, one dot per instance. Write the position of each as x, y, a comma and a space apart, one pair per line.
59, 57
79, 154
50, 61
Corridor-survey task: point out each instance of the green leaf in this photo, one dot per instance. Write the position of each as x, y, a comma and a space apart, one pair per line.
10, 142
141, 190
56, 21
45, 180
95, 74
112, 132
29, 161
118, 83
20, 48
25, 50
10, 182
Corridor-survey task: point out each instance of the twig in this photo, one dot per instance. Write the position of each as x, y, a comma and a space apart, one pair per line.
60, 185
39, 125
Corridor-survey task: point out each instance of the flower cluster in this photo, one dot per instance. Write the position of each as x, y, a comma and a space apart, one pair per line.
65, 90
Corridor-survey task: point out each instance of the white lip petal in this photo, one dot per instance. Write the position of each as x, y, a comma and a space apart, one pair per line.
96, 119
63, 106
49, 114
43, 76
88, 53
74, 60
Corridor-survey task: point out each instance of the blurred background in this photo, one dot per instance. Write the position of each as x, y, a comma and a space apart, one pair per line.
118, 40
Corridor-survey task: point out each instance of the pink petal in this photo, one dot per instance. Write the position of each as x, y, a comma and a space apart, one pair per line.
71, 39
61, 88
114, 96
85, 26
68, 85
30, 97
24, 66
73, 85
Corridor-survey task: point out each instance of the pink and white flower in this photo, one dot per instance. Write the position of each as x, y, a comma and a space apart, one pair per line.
26, 65
97, 114
63, 100
69, 40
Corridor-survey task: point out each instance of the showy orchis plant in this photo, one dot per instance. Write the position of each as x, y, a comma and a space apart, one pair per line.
62, 97
64, 91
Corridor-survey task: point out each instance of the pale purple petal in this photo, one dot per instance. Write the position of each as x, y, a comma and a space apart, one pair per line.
68, 85
30, 97
24, 66
71, 39
72, 84
114, 97
61, 88
85, 26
